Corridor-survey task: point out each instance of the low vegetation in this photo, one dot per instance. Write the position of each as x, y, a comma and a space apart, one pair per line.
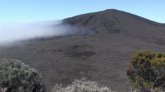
15, 76
147, 71
81, 86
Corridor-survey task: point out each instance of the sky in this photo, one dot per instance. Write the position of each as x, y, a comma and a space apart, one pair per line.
22, 11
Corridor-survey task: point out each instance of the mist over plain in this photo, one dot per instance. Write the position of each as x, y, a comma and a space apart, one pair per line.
15, 32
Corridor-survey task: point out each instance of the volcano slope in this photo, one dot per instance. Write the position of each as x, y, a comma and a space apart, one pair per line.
102, 56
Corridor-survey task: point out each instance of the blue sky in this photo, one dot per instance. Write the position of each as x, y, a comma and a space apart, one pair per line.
43, 10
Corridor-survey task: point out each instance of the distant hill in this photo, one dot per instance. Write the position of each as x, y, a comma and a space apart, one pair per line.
116, 21
109, 16
102, 56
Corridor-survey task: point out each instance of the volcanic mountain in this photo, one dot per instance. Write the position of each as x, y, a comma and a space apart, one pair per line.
122, 23
102, 56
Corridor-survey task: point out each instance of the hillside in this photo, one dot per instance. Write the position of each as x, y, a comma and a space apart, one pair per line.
102, 56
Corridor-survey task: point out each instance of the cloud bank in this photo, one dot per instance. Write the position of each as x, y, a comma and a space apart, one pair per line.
10, 33
18, 32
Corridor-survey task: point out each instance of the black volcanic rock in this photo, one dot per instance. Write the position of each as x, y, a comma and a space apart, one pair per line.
103, 56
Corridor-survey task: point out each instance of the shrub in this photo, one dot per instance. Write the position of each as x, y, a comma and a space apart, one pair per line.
81, 86
147, 71
15, 76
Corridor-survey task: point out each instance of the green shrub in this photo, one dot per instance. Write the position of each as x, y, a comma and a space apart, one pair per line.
81, 86
147, 71
15, 76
